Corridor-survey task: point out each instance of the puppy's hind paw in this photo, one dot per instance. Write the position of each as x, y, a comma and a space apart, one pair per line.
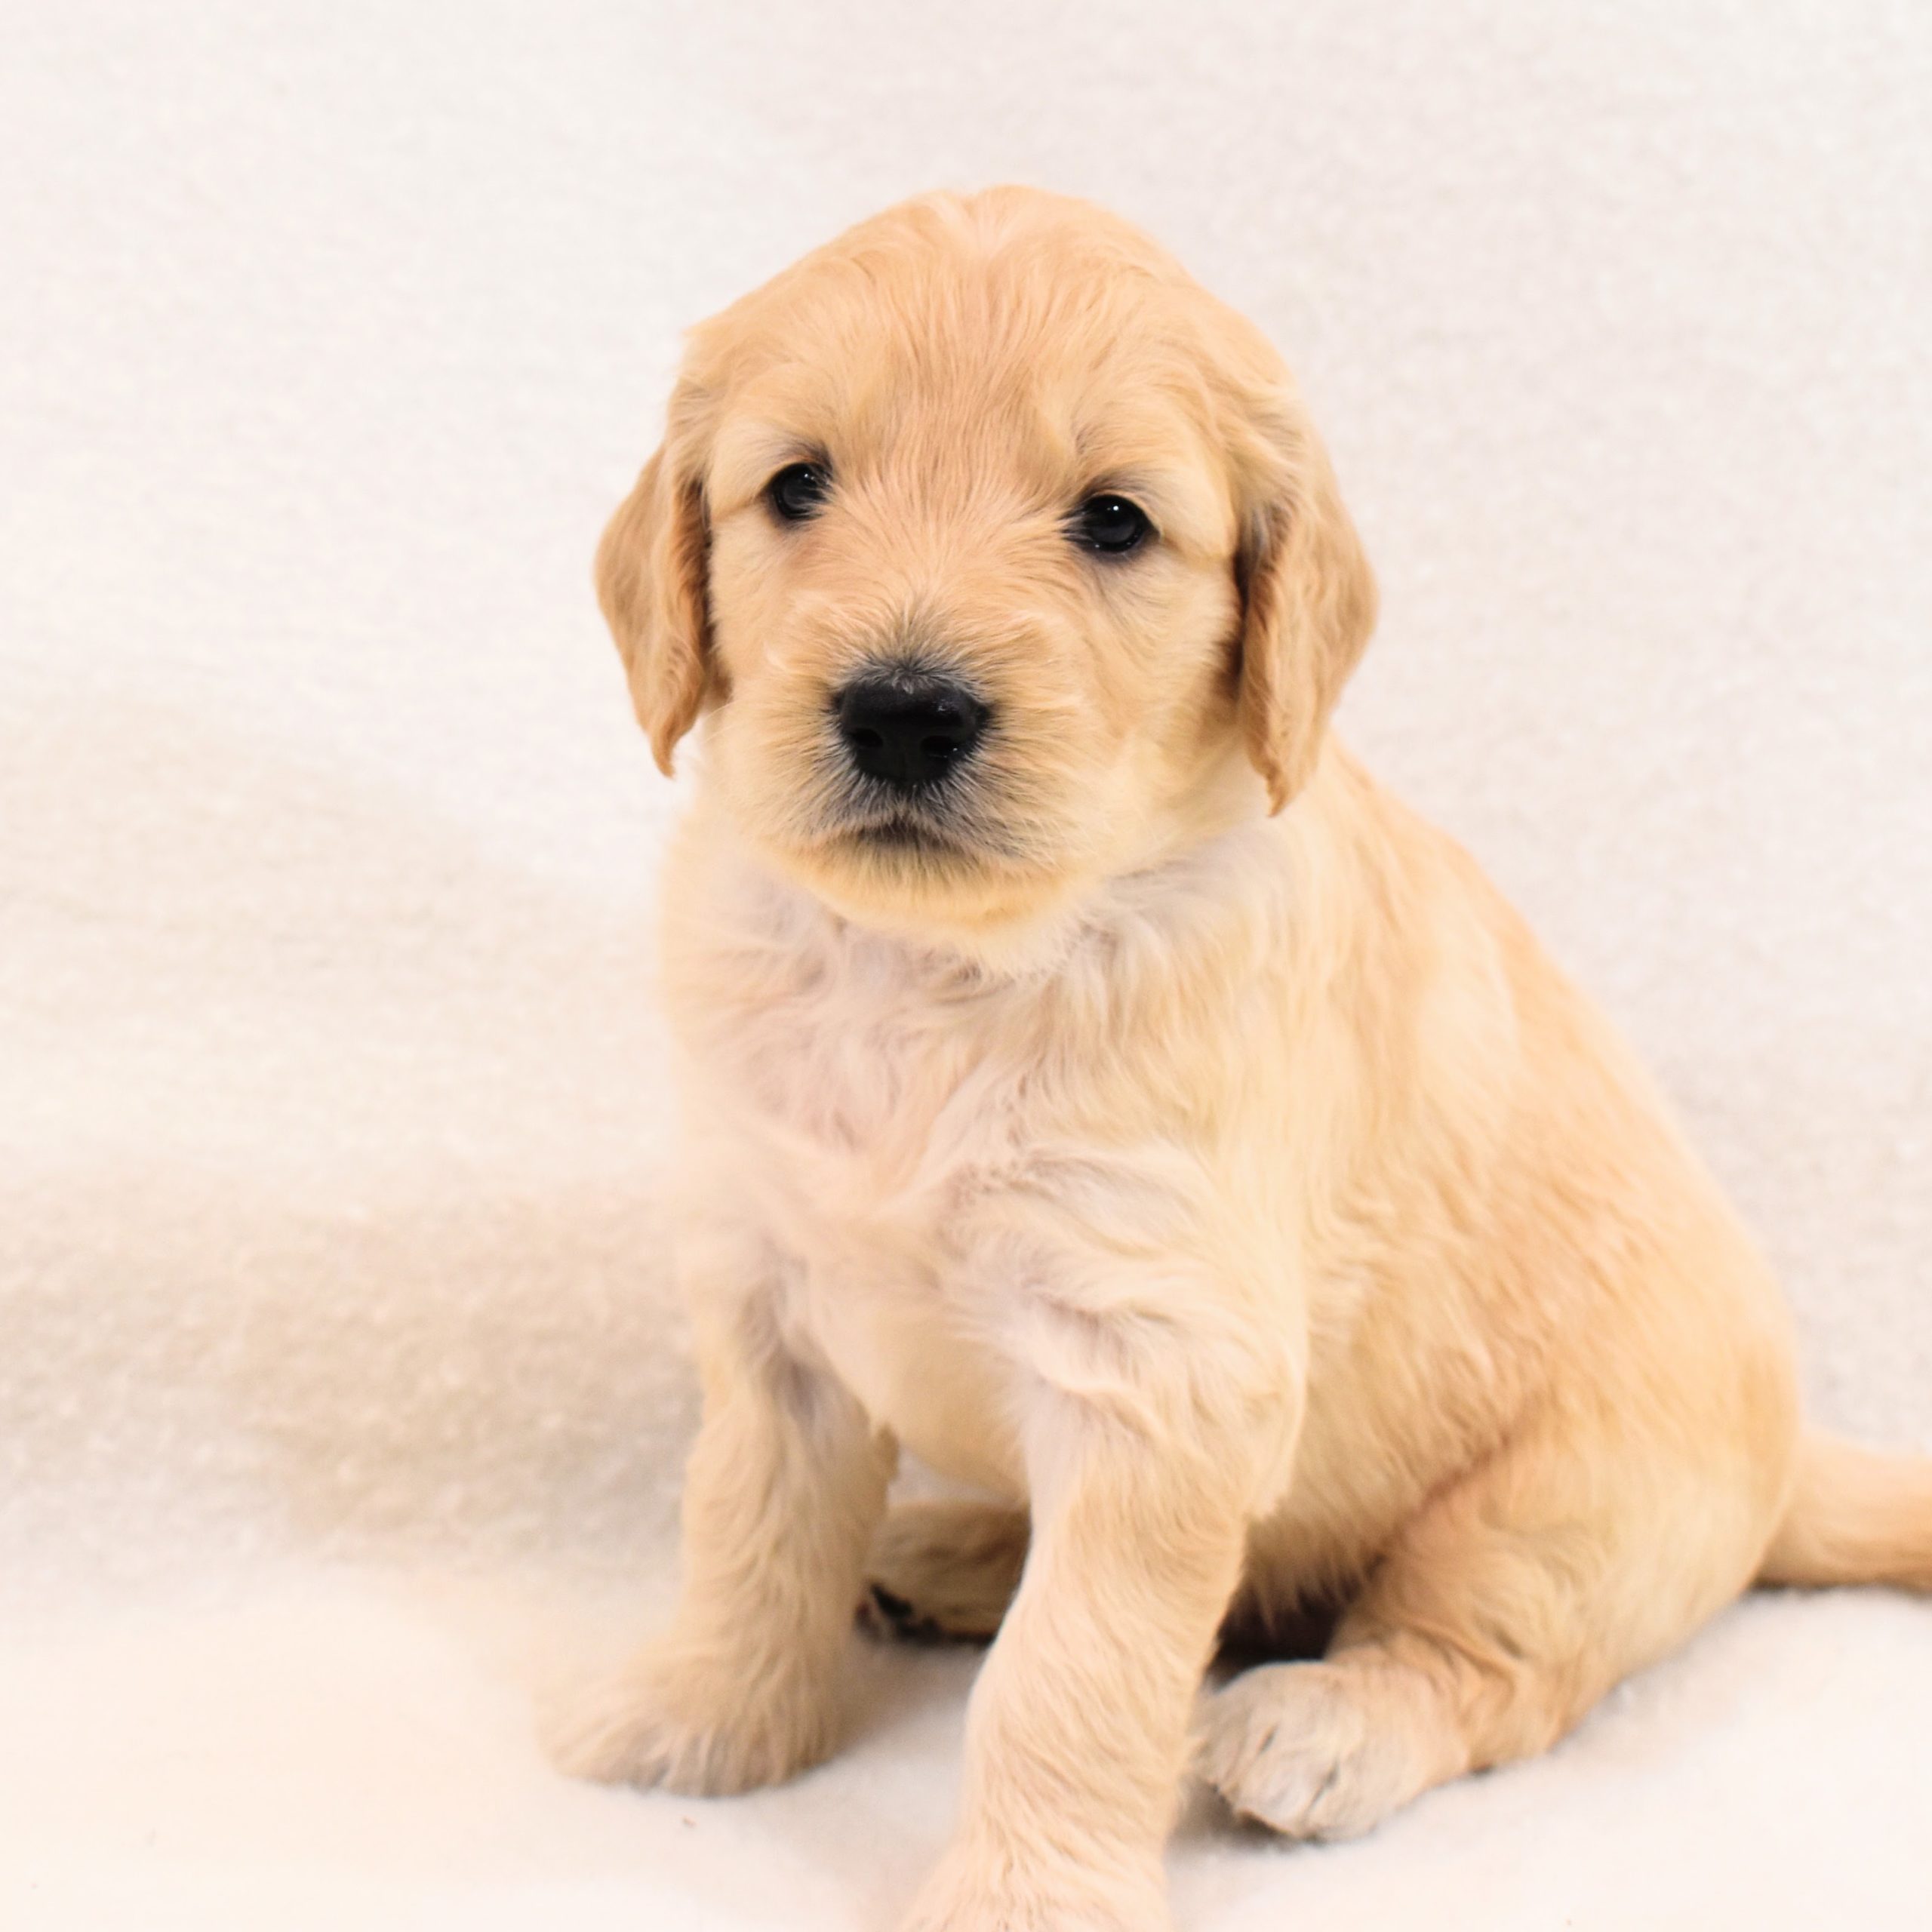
1314, 1750
944, 1569
883, 1614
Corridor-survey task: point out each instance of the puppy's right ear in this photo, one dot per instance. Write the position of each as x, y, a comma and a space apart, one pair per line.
652, 575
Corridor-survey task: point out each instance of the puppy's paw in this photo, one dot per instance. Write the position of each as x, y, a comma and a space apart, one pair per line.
691, 1724
1315, 1750
944, 1570
979, 1892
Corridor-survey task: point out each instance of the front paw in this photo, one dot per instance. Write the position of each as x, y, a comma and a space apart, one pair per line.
992, 1893
693, 1723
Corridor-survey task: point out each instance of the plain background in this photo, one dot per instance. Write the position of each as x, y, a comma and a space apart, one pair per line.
331, 1100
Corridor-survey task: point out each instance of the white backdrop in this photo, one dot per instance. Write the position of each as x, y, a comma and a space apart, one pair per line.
330, 1090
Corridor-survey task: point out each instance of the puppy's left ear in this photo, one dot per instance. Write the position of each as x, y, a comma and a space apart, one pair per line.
1308, 601
652, 575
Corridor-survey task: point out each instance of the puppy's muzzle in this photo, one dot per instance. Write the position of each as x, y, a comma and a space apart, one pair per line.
908, 730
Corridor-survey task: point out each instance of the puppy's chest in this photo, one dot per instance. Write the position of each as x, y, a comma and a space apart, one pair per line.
872, 1106
861, 1119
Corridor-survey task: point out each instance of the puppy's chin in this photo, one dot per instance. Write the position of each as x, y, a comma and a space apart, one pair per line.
916, 883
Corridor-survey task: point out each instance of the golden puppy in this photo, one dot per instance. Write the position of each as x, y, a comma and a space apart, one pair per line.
1094, 1083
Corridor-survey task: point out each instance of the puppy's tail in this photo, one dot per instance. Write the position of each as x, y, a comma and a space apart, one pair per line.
1854, 1517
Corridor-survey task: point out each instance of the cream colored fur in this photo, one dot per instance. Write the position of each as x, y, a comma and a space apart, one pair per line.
1193, 1152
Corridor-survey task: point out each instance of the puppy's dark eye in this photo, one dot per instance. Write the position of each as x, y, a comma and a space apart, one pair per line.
1111, 525
797, 491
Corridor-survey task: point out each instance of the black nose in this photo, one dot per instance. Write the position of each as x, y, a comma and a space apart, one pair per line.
907, 729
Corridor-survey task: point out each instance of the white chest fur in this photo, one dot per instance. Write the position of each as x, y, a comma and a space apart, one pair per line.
885, 1116
853, 1097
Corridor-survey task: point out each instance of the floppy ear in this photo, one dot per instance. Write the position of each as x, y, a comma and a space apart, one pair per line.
651, 573
1308, 606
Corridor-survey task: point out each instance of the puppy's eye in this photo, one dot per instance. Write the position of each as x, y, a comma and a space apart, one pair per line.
1111, 525
797, 491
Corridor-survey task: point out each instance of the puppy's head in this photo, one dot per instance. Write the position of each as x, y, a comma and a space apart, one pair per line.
999, 558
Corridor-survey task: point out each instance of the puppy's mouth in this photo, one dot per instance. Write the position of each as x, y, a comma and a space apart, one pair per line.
955, 827
904, 832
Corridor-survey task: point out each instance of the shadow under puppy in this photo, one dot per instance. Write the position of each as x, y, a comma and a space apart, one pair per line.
1094, 1081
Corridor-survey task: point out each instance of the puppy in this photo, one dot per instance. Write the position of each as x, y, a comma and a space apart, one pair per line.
1095, 1084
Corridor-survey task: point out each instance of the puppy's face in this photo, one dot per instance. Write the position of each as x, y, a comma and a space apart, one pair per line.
999, 557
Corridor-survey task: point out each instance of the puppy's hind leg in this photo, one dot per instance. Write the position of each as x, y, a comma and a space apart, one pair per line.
945, 1569
1501, 1614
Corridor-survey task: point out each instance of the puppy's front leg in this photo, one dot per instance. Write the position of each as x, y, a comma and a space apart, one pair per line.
784, 1486
1076, 1735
